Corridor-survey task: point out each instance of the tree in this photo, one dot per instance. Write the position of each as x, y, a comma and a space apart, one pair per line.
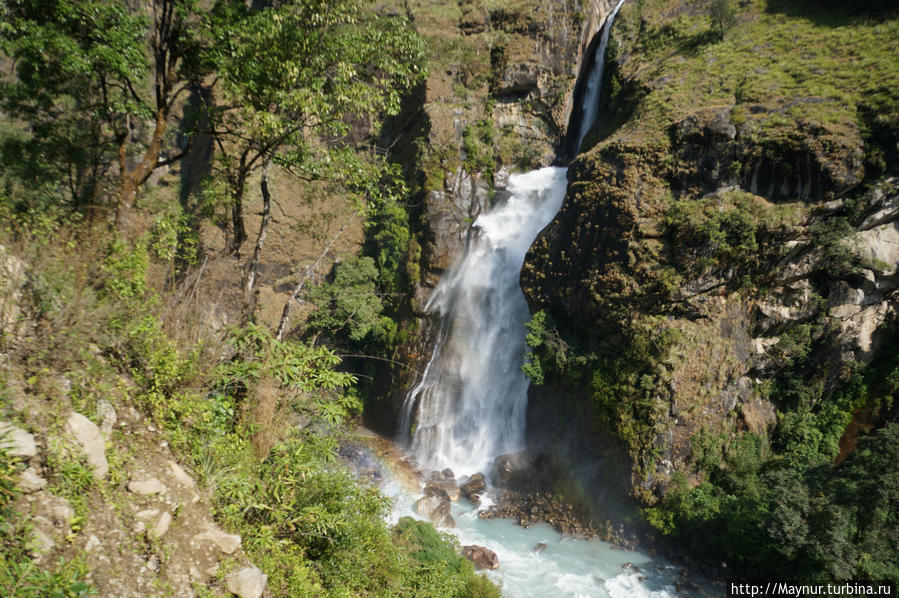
293, 78
90, 76
378, 189
350, 304
866, 488
723, 16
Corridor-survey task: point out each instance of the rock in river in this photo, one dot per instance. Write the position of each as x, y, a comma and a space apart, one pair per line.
435, 505
483, 558
476, 484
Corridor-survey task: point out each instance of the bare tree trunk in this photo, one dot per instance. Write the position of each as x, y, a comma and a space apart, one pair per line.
132, 179
253, 265
308, 272
238, 184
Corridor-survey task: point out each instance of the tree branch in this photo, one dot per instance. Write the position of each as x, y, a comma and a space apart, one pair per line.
308, 272
253, 266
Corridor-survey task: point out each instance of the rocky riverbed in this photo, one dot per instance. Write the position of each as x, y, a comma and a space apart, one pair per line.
520, 487
556, 550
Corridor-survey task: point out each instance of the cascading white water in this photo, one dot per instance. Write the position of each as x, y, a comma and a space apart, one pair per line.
590, 102
470, 404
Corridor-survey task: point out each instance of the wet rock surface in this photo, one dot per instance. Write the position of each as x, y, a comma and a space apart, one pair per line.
483, 558
517, 506
446, 481
529, 508
435, 505
523, 470
475, 485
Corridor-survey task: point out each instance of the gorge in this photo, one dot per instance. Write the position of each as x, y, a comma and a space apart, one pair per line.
419, 298
469, 406
696, 244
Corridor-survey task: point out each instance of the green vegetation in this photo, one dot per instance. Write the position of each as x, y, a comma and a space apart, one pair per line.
388, 238
815, 523
288, 77
619, 372
95, 105
349, 304
658, 280
723, 16
226, 411
83, 75
19, 574
298, 73
435, 557
477, 143
732, 230
797, 514
547, 352
799, 65
834, 236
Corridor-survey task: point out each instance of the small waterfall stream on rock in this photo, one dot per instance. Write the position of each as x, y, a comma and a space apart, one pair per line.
590, 103
469, 406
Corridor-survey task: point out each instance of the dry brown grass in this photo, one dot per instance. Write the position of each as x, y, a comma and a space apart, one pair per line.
267, 416
305, 216
57, 292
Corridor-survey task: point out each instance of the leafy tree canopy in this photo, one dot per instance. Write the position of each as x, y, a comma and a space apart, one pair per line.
301, 73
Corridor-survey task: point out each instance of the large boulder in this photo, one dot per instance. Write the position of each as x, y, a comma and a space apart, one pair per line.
227, 543
146, 486
16, 441
182, 476
446, 481
483, 558
435, 491
92, 443
162, 526
12, 279
524, 470
448, 487
30, 481
435, 505
248, 582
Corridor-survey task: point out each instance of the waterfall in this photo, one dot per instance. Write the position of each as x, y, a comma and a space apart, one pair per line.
469, 405
590, 104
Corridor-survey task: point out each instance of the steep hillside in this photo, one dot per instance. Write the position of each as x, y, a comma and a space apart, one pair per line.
170, 419
719, 288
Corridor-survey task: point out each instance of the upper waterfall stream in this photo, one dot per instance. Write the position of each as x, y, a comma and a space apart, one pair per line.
590, 103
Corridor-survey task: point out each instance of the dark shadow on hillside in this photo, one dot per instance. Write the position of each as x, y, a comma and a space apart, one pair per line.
197, 164
690, 45
570, 146
836, 13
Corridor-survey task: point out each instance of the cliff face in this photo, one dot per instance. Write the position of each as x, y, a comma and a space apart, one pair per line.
498, 98
735, 215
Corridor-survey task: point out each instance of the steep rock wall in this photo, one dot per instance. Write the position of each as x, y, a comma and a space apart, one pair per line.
498, 98
723, 223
